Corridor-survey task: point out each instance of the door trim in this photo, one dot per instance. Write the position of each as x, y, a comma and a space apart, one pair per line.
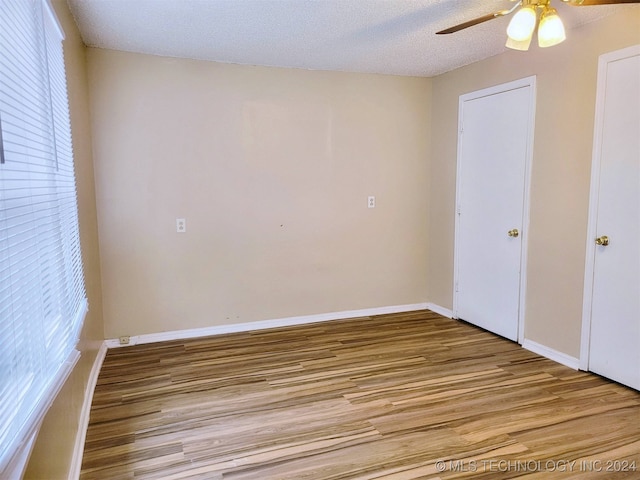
594, 196
527, 82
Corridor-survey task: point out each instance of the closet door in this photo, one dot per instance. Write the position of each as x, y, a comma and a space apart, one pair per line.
611, 322
494, 148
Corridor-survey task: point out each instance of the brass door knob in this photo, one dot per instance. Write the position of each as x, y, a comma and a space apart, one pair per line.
513, 233
602, 241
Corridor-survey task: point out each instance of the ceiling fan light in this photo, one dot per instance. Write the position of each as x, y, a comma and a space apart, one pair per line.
551, 30
518, 44
522, 24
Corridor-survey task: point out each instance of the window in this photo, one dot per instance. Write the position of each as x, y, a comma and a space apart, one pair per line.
42, 298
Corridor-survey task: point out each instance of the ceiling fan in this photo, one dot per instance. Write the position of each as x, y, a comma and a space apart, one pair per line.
523, 24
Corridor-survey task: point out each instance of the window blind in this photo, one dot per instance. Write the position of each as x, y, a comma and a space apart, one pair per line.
42, 297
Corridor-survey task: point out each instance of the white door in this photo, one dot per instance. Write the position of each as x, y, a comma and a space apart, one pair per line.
494, 149
611, 322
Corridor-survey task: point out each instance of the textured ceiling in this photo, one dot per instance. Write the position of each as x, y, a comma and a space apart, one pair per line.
394, 37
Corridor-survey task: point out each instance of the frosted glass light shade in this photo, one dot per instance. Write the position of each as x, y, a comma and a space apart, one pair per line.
522, 24
551, 30
518, 44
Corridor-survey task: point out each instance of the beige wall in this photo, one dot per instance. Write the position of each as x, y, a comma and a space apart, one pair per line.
271, 169
52, 454
566, 87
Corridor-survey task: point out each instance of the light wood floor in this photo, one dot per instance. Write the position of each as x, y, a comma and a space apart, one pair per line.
401, 396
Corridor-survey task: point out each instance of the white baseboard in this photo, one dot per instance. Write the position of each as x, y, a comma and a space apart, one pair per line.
445, 312
261, 325
551, 354
83, 423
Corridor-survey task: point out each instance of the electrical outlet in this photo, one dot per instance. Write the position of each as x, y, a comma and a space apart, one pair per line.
371, 202
125, 339
181, 225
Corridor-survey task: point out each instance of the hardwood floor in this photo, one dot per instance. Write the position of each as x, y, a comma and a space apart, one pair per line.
402, 396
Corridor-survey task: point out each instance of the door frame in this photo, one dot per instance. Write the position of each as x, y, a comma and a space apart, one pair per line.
594, 196
527, 82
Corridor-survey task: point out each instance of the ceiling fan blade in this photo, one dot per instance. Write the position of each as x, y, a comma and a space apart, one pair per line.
475, 21
589, 3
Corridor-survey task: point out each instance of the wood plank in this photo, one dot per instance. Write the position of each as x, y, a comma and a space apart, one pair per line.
389, 396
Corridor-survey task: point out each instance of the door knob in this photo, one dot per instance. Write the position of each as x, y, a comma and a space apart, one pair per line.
513, 233
603, 241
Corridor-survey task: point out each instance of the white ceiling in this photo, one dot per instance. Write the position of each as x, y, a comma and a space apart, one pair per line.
394, 37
